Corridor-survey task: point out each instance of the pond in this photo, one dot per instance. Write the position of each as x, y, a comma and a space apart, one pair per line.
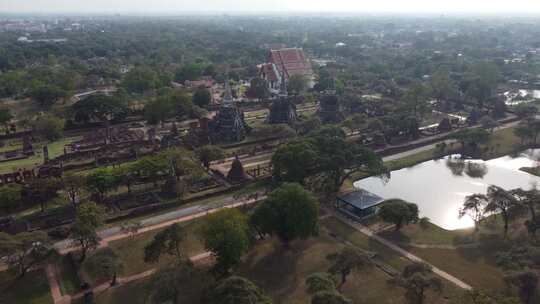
439, 187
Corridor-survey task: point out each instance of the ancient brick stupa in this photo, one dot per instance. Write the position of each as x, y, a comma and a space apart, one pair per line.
283, 109
330, 109
236, 173
228, 124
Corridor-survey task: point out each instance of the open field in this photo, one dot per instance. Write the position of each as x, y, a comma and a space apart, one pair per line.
33, 288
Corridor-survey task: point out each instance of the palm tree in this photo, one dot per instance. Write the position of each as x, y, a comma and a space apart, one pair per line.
474, 206
500, 201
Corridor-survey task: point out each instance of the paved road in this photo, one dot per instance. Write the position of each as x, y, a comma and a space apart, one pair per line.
162, 220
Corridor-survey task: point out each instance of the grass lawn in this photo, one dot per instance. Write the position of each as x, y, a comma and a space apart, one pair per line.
282, 272
69, 282
131, 252
345, 232
531, 170
33, 288
56, 148
140, 291
502, 142
474, 266
432, 235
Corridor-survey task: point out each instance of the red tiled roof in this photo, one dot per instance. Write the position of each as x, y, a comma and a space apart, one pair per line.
293, 59
268, 70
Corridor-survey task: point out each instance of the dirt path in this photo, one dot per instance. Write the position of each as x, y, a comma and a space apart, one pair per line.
402, 252
66, 299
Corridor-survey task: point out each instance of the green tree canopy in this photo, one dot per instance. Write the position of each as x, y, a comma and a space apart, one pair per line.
24, 250
294, 161
50, 126
209, 153
99, 108
89, 218
101, 181
290, 212
10, 197
398, 212
238, 290
202, 97
140, 80
168, 241
227, 235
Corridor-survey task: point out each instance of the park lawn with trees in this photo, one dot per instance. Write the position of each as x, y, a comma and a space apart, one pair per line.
33, 288
130, 251
281, 274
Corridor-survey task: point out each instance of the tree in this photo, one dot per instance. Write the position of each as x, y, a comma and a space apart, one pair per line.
442, 85
398, 212
327, 297
347, 260
297, 84
417, 98
471, 138
74, 185
24, 250
524, 110
89, 218
338, 159
290, 212
158, 110
10, 197
100, 108
50, 126
209, 153
238, 290
529, 199
168, 241
192, 71
152, 167
140, 80
500, 201
47, 95
320, 281
527, 284
170, 282
5, 118
227, 235
474, 206
101, 181
109, 265
416, 279
489, 123
41, 190
202, 97
294, 161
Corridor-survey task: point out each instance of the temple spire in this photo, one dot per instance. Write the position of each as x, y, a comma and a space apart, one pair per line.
283, 85
227, 97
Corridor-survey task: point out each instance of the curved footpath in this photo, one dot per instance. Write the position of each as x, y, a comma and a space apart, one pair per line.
363, 229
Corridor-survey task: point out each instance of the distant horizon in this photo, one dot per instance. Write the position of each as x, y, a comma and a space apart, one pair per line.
276, 13
280, 7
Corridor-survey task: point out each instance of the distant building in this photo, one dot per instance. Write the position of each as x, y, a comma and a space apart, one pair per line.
287, 62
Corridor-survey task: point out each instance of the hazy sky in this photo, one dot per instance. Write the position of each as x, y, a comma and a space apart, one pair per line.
349, 6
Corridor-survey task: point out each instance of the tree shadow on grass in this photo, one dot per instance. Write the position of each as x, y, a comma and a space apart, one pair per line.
275, 268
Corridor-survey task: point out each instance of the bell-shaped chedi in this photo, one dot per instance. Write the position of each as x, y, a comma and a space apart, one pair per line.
236, 173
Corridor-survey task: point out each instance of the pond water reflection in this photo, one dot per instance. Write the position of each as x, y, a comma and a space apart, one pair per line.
440, 186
